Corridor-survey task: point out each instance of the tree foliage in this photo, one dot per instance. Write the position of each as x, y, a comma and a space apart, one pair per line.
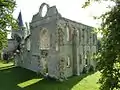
3, 39
6, 19
109, 56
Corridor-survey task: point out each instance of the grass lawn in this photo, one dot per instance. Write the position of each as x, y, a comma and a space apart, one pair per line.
16, 78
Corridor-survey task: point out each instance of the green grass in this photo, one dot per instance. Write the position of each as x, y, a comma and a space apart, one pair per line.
16, 78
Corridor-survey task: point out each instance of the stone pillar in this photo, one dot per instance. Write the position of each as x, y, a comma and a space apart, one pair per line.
77, 54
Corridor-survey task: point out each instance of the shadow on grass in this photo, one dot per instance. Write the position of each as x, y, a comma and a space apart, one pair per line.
11, 77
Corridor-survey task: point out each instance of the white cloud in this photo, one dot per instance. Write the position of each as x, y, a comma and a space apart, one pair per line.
70, 9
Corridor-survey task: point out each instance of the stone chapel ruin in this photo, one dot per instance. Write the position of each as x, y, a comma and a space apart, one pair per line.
55, 46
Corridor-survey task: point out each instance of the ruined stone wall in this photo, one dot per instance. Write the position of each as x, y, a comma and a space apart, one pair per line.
65, 40
83, 43
65, 45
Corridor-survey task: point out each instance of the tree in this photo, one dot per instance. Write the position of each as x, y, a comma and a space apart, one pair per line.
109, 56
6, 19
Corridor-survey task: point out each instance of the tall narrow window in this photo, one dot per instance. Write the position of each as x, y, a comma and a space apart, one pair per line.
50, 40
83, 35
88, 57
60, 36
79, 36
68, 33
68, 61
86, 61
80, 59
57, 47
93, 39
87, 41
28, 44
44, 39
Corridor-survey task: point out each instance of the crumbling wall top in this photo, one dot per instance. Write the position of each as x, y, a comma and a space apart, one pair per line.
51, 11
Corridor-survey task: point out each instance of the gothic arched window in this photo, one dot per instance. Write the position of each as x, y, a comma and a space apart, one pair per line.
68, 34
68, 61
44, 39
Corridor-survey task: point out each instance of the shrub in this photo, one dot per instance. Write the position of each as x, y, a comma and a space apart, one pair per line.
91, 68
84, 70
